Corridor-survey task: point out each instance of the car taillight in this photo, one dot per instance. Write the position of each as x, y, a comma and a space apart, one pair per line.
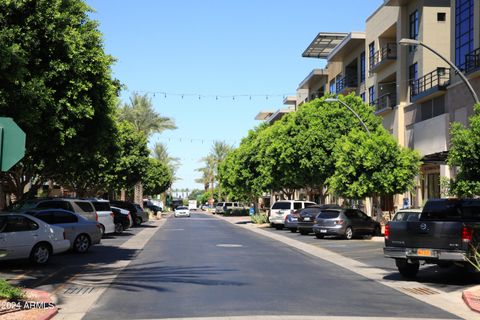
387, 232
337, 221
467, 234
96, 216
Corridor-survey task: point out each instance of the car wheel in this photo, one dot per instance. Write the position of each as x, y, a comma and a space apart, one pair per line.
278, 227
81, 243
319, 236
119, 227
102, 230
40, 254
303, 232
349, 233
407, 269
293, 230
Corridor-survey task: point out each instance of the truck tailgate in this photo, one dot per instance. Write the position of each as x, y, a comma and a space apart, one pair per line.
425, 234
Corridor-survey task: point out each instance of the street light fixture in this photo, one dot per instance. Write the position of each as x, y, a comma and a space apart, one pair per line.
351, 110
413, 42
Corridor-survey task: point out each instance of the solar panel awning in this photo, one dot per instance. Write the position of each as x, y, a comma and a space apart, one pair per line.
323, 44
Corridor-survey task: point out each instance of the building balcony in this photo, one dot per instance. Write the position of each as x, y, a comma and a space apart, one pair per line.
385, 102
430, 85
346, 84
472, 61
383, 57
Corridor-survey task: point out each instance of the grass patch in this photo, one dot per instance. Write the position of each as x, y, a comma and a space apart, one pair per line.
9, 292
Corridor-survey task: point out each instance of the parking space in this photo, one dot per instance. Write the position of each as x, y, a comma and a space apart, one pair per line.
63, 267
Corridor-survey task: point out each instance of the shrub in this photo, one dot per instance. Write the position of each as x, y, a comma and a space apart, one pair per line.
259, 218
7, 291
237, 212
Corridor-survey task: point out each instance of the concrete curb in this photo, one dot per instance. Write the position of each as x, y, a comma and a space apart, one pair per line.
472, 298
43, 296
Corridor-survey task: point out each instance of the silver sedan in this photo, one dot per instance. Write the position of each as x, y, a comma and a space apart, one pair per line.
81, 232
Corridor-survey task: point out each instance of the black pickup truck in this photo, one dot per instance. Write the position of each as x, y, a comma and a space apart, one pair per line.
447, 232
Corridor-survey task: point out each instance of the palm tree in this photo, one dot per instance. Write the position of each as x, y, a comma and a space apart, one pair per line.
141, 114
160, 152
208, 173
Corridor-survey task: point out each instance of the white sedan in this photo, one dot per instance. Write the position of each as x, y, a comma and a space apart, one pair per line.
23, 236
181, 211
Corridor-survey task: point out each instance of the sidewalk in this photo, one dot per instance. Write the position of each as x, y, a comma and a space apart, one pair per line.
463, 303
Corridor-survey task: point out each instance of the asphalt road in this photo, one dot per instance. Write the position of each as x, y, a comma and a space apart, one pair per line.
202, 266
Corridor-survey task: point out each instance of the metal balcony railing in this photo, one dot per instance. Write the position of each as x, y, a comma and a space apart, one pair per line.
472, 61
347, 81
439, 79
388, 100
386, 52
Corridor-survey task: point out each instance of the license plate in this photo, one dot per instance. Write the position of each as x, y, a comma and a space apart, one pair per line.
323, 231
424, 252
307, 219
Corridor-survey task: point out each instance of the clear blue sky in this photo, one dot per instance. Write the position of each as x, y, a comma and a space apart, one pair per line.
217, 48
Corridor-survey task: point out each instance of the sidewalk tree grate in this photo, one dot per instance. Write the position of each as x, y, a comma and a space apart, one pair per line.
420, 291
78, 290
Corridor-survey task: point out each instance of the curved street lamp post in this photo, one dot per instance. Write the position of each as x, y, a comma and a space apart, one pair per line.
351, 110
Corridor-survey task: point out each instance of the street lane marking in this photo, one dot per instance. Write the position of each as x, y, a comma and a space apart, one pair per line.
227, 245
174, 229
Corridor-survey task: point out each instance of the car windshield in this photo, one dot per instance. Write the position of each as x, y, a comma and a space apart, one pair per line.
182, 208
281, 205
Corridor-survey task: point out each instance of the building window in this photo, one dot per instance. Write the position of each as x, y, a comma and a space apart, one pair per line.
371, 53
441, 16
412, 76
463, 30
414, 25
332, 86
371, 95
362, 67
362, 96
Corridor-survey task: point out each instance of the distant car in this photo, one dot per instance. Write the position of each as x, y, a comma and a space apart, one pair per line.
346, 223
138, 214
23, 236
307, 216
105, 215
81, 232
122, 219
282, 208
154, 208
291, 221
181, 211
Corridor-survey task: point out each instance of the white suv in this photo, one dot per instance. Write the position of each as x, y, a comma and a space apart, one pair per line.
282, 208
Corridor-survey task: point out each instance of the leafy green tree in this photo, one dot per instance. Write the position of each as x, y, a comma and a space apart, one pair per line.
56, 83
369, 165
464, 152
158, 177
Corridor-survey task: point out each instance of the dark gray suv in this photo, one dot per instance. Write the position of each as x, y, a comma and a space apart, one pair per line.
346, 223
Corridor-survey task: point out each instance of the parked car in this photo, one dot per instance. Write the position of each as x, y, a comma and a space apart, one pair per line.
307, 216
105, 215
138, 214
291, 221
346, 223
122, 219
282, 208
26, 237
152, 207
181, 211
81, 232
82, 207
223, 207
446, 233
